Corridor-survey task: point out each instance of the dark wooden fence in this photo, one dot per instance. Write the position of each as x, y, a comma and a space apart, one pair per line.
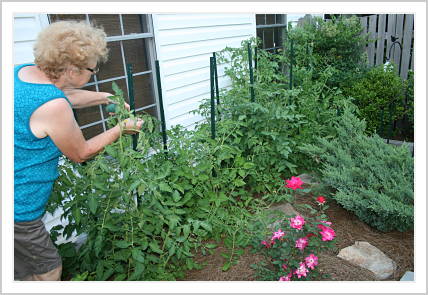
394, 40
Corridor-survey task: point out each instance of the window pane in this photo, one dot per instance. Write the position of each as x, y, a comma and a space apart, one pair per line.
270, 19
114, 66
92, 131
278, 38
134, 23
87, 115
260, 19
58, 17
268, 38
136, 54
151, 111
278, 18
260, 35
106, 87
110, 23
143, 91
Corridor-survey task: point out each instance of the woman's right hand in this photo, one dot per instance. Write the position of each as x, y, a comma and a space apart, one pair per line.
132, 126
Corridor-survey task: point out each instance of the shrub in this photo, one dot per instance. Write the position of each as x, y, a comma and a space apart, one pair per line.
372, 179
269, 129
338, 43
380, 97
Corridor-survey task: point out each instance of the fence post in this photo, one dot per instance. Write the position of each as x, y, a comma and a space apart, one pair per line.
212, 97
162, 113
250, 65
131, 99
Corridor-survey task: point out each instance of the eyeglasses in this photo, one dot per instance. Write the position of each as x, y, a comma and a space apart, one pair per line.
93, 71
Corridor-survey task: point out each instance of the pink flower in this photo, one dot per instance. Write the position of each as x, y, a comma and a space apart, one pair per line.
311, 261
267, 245
277, 235
321, 226
327, 234
297, 222
302, 270
284, 267
302, 243
320, 200
294, 183
286, 278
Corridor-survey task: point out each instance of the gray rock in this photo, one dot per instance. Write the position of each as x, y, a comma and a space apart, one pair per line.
369, 257
307, 179
408, 276
286, 209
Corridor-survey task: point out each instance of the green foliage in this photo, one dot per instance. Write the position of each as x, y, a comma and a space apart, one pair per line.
380, 97
339, 44
145, 211
372, 179
269, 129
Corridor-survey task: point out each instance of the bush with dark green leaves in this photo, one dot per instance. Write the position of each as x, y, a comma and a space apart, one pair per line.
371, 178
380, 97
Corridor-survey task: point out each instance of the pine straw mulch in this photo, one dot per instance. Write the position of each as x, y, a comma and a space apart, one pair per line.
349, 229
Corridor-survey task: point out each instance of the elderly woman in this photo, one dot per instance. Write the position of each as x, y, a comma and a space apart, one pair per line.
66, 55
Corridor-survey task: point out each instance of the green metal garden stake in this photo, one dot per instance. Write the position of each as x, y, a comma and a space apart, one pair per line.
250, 65
255, 60
217, 90
212, 98
131, 99
161, 110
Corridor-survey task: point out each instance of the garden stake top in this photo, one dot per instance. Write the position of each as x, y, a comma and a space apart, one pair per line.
162, 112
131, 99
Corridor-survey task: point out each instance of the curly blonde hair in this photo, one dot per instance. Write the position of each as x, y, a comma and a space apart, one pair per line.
69, 43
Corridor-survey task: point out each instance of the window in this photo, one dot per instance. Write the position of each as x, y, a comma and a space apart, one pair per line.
271, 30
130, 40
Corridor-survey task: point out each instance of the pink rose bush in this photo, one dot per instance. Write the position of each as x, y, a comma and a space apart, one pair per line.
293, 244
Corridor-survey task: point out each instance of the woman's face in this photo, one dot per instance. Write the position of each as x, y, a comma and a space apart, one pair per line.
79, 77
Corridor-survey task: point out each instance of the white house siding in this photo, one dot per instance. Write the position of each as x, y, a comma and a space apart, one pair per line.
25, 29
184, 45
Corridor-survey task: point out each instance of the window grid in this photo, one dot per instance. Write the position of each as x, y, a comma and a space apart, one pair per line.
279, 24
148, 43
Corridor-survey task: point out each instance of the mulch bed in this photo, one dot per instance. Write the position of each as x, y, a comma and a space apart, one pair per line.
396, 245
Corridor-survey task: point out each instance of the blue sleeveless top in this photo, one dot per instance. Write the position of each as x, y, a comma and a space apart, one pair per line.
36, 159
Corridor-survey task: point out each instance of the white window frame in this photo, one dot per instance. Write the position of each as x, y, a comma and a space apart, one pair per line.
149, 38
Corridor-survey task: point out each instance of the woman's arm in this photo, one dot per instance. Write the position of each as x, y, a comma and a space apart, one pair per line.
67, 136
80, 98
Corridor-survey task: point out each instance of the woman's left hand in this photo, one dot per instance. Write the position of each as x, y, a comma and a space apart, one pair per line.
110, 101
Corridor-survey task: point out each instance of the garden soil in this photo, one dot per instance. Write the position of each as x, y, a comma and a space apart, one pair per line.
396, 245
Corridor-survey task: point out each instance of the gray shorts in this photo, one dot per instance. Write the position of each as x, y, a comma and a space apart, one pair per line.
35, 252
